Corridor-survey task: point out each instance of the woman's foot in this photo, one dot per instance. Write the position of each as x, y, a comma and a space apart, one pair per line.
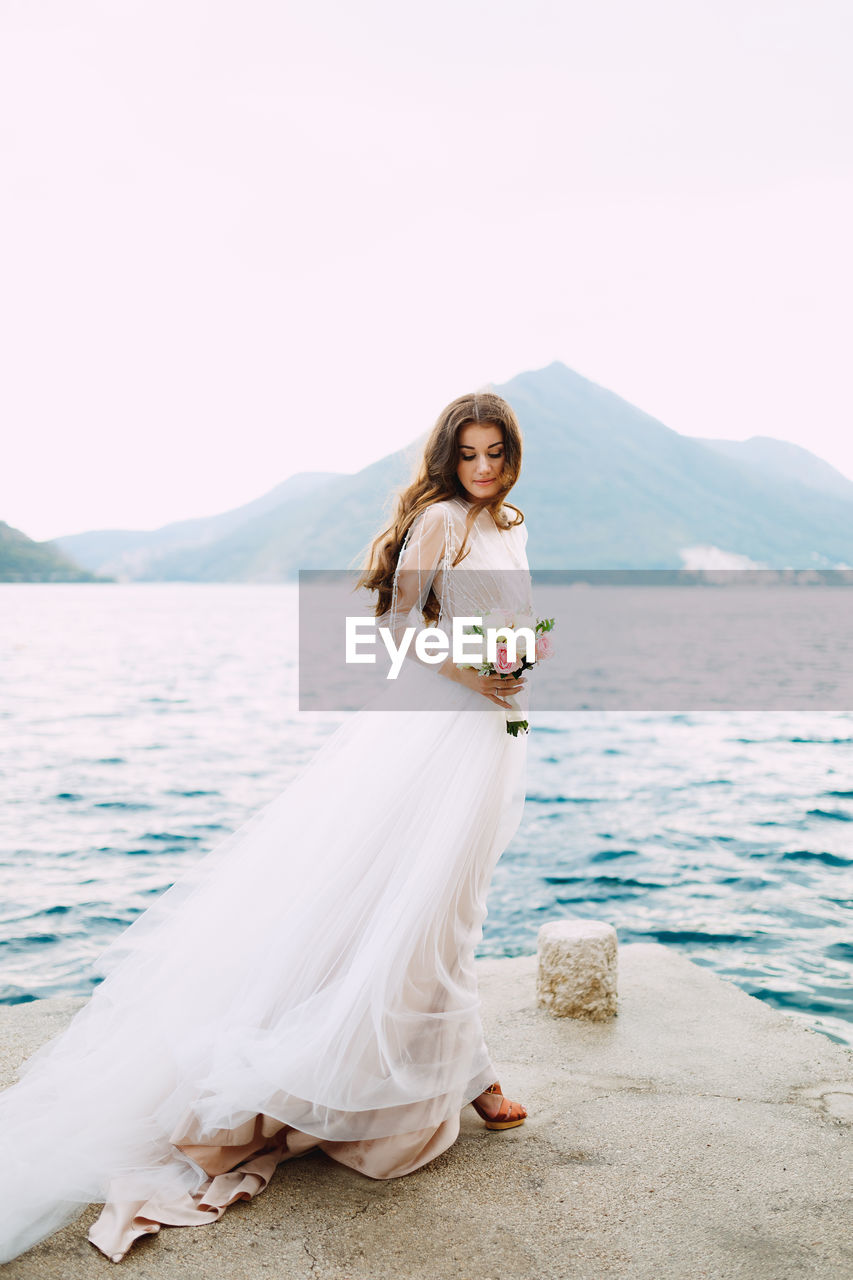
497, 1111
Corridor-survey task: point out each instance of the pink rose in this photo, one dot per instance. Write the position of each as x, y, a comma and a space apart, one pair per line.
502, 664
544, 645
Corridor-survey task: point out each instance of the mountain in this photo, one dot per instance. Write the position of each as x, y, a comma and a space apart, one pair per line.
611, 487
320, 530
604, 486
786, 461
130, 553
23, 560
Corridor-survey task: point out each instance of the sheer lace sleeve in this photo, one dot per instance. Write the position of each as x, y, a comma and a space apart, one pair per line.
424, 558
422, 565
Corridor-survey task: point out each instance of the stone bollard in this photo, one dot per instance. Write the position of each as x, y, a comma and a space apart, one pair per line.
576, 976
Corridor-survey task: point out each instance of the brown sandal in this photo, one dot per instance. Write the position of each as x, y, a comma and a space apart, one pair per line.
500, 1119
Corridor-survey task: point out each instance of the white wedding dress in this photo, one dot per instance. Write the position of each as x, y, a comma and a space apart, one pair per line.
311, 981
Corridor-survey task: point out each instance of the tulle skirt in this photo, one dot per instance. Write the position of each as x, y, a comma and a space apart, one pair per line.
310, 982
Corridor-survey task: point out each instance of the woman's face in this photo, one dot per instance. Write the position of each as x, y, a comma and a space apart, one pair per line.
481, 458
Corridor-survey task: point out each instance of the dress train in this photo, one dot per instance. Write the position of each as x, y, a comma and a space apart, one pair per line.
310, 982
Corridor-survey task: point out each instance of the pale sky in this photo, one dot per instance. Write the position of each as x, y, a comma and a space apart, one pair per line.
246, 238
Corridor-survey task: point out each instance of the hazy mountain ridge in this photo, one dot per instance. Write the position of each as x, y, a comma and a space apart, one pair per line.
131, 553
604, 485
787, 461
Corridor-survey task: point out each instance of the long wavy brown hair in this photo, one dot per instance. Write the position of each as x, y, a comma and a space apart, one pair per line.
435, 479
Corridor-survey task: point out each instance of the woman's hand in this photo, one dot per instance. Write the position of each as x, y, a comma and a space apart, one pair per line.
494, 687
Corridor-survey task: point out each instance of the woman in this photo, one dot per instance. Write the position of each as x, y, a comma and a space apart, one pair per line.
311, 981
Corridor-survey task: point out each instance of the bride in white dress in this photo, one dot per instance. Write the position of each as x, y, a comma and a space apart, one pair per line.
311, 981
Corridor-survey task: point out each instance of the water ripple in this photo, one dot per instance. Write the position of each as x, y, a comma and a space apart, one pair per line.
723, 836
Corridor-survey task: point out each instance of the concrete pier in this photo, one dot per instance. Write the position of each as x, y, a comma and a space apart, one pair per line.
698, 1134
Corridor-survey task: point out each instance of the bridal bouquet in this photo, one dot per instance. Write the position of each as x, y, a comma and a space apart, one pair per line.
502, 666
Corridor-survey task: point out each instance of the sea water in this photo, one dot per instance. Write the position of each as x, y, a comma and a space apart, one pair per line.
140, 723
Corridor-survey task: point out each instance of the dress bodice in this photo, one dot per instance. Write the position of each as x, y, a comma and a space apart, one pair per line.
493, 576
491, 546
433, 586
